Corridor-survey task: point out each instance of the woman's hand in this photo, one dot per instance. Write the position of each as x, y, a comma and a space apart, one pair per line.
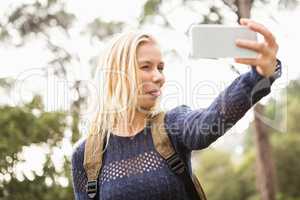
265, 62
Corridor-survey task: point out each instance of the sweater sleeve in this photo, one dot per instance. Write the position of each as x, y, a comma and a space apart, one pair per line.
197, 129
79, 178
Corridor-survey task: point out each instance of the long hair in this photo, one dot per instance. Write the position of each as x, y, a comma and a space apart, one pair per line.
119, 83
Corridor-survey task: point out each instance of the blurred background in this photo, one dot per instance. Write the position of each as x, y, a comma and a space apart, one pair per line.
48, 55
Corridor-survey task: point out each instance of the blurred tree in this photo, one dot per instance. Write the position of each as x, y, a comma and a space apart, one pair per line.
284, 145
219, 179
27, 20
101, 29
215, 168
245, 176
21, 127
29, 125
265, 172
287, 151
293, 98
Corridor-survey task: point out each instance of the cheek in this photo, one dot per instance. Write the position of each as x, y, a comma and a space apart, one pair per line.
146, 86
145, 82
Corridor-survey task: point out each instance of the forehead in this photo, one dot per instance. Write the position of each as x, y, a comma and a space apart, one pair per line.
149, 51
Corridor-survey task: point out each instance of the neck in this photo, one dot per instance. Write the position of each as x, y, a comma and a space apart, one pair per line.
126, 129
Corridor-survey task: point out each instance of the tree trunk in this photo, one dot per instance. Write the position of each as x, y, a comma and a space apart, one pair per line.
265, 173
243, 8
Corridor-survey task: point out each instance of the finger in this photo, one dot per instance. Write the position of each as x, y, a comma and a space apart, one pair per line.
245, 21
246, 61
264, 31
254, 46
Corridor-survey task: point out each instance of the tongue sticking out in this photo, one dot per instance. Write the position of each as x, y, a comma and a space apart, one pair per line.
155, 93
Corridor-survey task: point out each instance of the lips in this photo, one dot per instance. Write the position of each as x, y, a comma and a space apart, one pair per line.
154, 93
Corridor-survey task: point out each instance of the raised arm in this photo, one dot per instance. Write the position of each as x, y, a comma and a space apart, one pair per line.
197, 129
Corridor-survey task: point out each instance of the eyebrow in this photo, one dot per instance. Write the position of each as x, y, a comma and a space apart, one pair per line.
148, 62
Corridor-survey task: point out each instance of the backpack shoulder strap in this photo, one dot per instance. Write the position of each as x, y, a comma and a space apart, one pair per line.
163, 145
93, 154
160, 138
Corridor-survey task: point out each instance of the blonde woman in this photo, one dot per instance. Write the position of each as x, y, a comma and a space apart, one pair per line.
131, 86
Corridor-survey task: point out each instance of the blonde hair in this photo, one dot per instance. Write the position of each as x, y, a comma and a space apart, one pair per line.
119, 83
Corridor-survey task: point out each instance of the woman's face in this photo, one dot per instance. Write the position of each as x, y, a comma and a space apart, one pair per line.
150, 71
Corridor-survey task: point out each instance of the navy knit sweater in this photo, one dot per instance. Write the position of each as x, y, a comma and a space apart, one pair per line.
133, 170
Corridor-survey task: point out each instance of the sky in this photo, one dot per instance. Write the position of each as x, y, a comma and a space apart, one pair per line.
186, 78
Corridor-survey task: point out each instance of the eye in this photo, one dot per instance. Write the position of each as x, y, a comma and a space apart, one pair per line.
146, 67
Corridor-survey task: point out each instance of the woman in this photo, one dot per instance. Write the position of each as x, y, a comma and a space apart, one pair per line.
131, 168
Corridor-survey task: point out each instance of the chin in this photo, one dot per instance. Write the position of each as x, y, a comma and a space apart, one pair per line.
147, 104
146, 107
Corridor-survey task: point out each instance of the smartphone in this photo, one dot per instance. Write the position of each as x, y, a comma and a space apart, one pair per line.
218, 41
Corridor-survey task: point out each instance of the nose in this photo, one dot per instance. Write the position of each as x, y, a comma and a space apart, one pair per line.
158, 76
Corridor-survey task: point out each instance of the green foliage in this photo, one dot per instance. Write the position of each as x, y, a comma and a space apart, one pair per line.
245, 176
21, 127
151, 8
100, 29
291, 92
37, 188
6, 83
288, 4
286, 148
286, 152
217, 175
215, 168
34, 18
293, 98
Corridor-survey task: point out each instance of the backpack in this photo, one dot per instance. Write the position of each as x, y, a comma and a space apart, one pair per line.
93, 159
